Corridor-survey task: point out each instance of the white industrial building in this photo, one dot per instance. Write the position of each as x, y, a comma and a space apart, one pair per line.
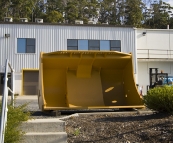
154, 50
22, 43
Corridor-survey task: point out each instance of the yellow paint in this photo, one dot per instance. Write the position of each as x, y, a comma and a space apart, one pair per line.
87, 79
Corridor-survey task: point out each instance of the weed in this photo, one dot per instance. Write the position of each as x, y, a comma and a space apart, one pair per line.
77, 131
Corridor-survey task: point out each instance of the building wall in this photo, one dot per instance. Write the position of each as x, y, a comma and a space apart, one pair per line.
157, 43
154, 50
143, 71
51, 38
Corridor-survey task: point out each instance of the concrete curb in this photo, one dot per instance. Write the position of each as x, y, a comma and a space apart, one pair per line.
127, 112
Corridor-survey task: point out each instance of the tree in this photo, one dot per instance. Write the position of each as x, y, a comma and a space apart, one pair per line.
38, 11
112, 11
159, 16
104, 12
133, 13
71, 11
4, 11
54, 17
58, 5
90, 10
21, 8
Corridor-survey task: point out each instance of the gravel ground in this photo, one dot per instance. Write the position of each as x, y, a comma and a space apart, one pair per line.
120, 128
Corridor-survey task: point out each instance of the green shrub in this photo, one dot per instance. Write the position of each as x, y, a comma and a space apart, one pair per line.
160, 99
15, 116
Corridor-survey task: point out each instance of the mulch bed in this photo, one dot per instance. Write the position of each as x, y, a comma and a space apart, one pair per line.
120, 128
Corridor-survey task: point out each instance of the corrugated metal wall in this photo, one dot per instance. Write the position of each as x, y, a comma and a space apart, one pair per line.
51, 38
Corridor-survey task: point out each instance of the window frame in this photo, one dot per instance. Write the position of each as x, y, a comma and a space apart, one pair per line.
110, 47
26, 46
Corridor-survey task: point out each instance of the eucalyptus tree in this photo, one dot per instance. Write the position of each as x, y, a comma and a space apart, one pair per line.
54, 17
107, 9
38, 10
4, 9
159, 15
134, 12
112, 11
71, 11
117, 12
81, 10
57, 5
21, 8
91, 8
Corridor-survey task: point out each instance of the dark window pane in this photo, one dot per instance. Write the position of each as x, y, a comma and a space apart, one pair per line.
30, 49
115, 43
21, 45
71, 48
71, 42
93, 44
116, 49
94, 48
30, 41
104, 45
82, 44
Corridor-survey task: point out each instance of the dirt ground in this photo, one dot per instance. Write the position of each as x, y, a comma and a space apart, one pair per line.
120, 128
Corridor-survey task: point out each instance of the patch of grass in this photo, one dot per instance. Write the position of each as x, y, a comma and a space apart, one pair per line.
15, 117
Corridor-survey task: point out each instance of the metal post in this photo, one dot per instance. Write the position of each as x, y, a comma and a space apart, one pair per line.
12, 88
4, 110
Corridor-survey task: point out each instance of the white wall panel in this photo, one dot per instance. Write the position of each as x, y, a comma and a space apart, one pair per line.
157, 43
51, 38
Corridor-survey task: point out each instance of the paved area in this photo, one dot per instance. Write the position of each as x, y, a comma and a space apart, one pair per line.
33, 107
32, 102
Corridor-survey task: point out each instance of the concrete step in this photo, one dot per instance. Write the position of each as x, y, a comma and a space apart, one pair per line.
46, 137
43, 125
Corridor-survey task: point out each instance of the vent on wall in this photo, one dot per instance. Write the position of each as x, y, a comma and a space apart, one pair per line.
78, 22
38, 20
8, 19
23, 19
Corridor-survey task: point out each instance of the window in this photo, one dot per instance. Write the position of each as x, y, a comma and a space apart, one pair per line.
93, 45
115, 45
72, 44
82, 44
25, 45
102, 45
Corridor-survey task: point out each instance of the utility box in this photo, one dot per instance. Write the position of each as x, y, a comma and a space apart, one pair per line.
87, 80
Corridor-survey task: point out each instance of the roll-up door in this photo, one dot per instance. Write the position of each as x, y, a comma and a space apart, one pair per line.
30, 82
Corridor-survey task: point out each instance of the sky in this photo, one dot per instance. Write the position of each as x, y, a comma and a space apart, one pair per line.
169, 1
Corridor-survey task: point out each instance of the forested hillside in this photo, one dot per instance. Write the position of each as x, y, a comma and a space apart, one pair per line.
138, 13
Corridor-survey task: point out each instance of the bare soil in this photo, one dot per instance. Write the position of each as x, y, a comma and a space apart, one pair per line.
120, 128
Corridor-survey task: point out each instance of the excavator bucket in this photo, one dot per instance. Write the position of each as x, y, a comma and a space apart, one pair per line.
87, 80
